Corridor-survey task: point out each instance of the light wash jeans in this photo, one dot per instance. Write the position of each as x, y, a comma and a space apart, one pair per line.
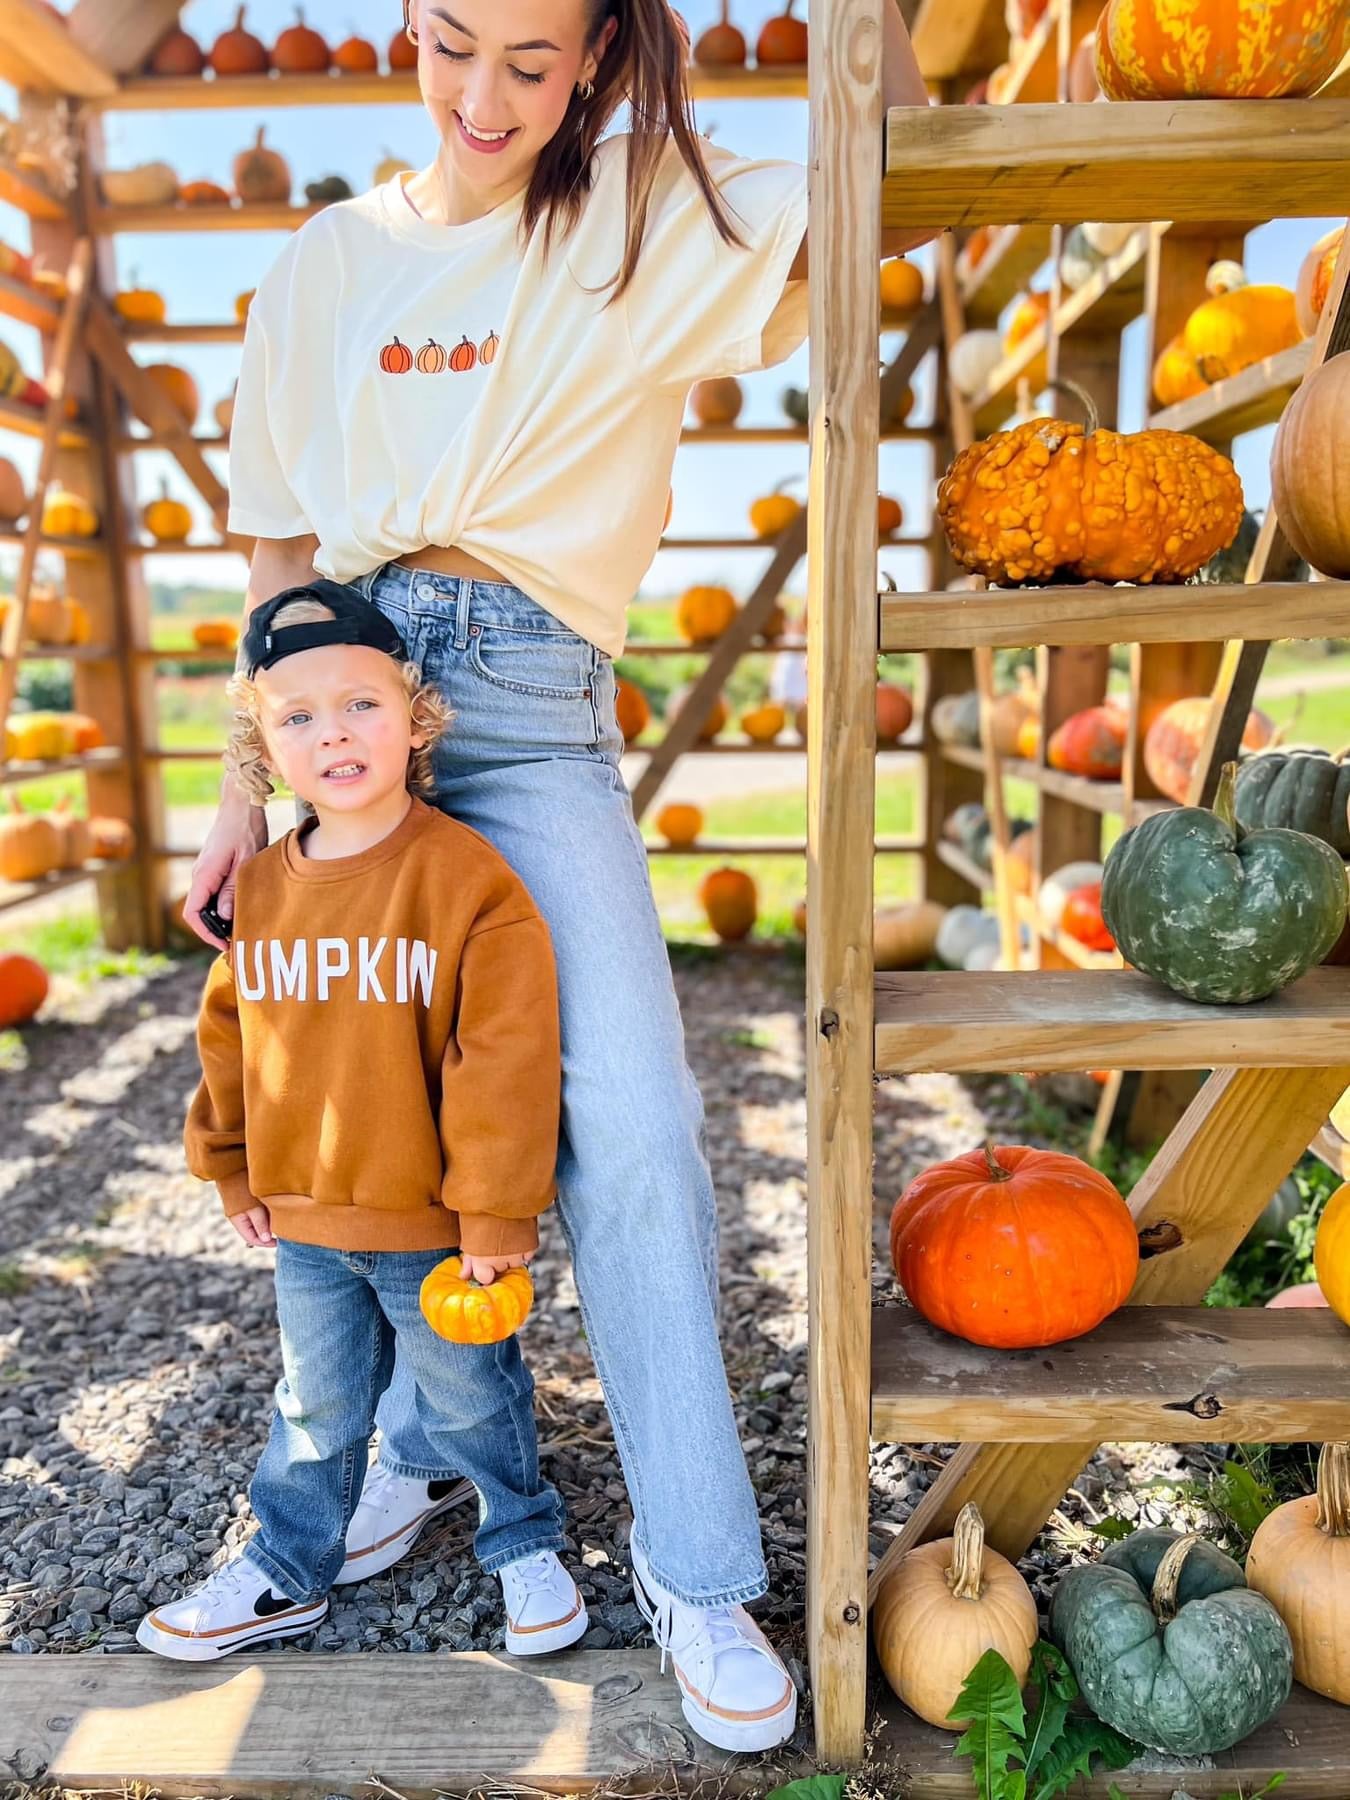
532, 762
342, 1313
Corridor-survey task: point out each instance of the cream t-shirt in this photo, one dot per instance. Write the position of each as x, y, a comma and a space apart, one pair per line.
406, 383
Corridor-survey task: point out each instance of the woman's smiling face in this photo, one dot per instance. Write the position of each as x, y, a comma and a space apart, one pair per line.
497, 77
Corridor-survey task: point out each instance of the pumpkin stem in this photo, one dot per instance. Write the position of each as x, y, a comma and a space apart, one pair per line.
1164, 1596
1091, 417
965, 1576
1333, 1490
995, 1168
1225, 800
239, 18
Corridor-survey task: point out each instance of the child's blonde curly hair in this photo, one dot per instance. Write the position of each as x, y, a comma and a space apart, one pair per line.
246, 749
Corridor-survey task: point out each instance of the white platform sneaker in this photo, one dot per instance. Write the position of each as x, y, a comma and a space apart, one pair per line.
391, 1515
544, 1609
235, 1608
737, 1694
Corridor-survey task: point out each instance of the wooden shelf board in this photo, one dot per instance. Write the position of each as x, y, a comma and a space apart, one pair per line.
85, 653
775, 846
87, 549
994, 165
27, 421
1112, 298
218, 331
791, 434
1165, 1374
898, 542
1331, 1148
1097, 796
965, 866
194, 93
1052, 1019
1306, 1741
29, 305
1013, 617
1245, 402
959, 37
107, 220
30, 193
1003, 271
152, 441
639, 647
93, 762
21, 893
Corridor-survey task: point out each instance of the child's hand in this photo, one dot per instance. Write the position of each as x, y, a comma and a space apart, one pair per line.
255, 1227
485, 1269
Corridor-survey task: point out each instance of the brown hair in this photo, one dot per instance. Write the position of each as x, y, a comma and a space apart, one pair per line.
645, 65
246, 748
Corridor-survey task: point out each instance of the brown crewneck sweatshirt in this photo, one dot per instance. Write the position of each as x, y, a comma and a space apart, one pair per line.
380, 1048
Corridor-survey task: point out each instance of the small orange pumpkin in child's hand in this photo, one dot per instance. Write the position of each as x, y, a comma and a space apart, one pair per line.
466, 1313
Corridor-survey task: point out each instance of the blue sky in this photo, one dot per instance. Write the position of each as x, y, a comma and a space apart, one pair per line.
200, 275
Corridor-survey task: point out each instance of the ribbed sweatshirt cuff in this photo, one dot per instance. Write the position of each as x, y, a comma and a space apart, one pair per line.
482, 1234
236, 1196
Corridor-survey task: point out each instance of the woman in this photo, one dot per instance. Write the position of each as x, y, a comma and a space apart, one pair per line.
462, 393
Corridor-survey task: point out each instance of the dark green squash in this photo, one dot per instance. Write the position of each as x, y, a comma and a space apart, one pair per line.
1170, 1645
1300, 790
795, 404
1217, 913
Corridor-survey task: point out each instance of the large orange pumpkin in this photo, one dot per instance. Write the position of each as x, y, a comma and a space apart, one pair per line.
1173, 741
1315, 278
23, 988
1014, 1247
1239, 326
731, 901
1310, 469
1091, 743
631, 709
29, 845
1219, 49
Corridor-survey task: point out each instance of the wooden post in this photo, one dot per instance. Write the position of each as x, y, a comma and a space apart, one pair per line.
845, 124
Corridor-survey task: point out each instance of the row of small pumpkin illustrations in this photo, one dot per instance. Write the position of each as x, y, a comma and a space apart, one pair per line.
1279, 50
397, 359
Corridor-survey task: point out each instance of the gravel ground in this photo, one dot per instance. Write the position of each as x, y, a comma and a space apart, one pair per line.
138, 1349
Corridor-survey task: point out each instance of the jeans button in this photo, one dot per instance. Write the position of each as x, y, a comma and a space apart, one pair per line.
426, 591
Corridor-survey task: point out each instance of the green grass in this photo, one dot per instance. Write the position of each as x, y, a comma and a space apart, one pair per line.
1318, 717
72, 945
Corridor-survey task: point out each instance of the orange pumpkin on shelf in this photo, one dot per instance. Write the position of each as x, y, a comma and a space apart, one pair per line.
1082, 918
715, 721
1218, 49
176, 53
112, 840
466, 1313
1315, 276
1028, 741
1310, 469
1240, 324
703, 613
717, 401
731, 901
262, 177
56, 619
203, 193
1173, 741
402, 52
72, 835
721, 45
1090, 742
178, 387
890, 516
1014, 1247
901, 286
215, 634
13, 498
631, 709
782, 39
238, 52
300, 50
1176, 375
895, 712
1020, 862
86, 732
29, 847
23, 988
167, 520
680, 824
356, 56
773, 513
762, 724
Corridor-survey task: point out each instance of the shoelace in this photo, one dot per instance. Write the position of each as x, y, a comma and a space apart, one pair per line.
224, 1581
535, 1574
716, 1623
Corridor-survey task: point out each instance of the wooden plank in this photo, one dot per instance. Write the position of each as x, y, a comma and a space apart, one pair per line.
28, 304
300, 1726
1193, 1206
845, 410
1003, 271
767, 846
1254, 397
106, 221
1305, 1742
26, 421
971, 872
1012, 617
39, 52
1331, 1148
995, 165
947, 785
1114, 296
30, 193
1158, 1374
92, 762
1050, 1019
953, 38
789, 434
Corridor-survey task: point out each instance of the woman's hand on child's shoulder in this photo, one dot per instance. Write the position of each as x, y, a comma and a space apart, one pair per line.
485, 1269
255, 1227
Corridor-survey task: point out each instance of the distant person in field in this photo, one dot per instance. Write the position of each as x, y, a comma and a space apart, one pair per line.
462, 393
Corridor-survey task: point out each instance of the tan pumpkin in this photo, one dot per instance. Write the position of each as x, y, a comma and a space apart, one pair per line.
773, 513
238, 52
300, 50
147, 184
680, 824
703, 613
29, 846
1314, 280
167, 520
1310, 469
1008, 712
113, 839
905, 936
716, 719
762, 724
74, 839
1176, 374
1238, 326
717, 401
140, 306
632, 710
69, 515
261, 176
178, 387
13, 499
940, 1607
1173, 741
1300, 1561
731, 901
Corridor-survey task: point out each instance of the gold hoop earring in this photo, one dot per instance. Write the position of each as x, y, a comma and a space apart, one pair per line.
585, 89
410, 34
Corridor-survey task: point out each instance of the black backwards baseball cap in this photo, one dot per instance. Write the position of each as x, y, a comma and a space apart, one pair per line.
355, 620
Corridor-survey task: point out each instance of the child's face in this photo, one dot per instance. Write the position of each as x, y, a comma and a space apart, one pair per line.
337, 725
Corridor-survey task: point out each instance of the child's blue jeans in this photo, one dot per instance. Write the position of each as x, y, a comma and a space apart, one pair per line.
532, 762
343, 1313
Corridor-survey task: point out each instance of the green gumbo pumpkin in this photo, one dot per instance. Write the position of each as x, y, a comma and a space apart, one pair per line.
1218, 913
1300, 790
1170, 1645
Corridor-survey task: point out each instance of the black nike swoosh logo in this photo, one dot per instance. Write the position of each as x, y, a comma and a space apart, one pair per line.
269, 1603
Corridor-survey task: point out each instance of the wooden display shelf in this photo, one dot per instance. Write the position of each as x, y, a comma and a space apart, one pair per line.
27, 421
779, 647
720, 747
87, 549
965, 866
1163, 1374
1047, 1020
1003, 271
1007, 618
998, 165
150, 440
1245, 402
1331, 1148
197, 93
1097, 796
898, 542
30, 193
82, 653
959, 39
1069, 948
1113, 297
217, 331
259, 216
92, 762
997, 399
20, 893
29, 305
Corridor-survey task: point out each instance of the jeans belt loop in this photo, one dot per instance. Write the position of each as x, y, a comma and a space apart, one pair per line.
464, 589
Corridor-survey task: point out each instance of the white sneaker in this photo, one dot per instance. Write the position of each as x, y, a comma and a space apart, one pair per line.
390, 1516
544, 1610
737, 1694
235, 1608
